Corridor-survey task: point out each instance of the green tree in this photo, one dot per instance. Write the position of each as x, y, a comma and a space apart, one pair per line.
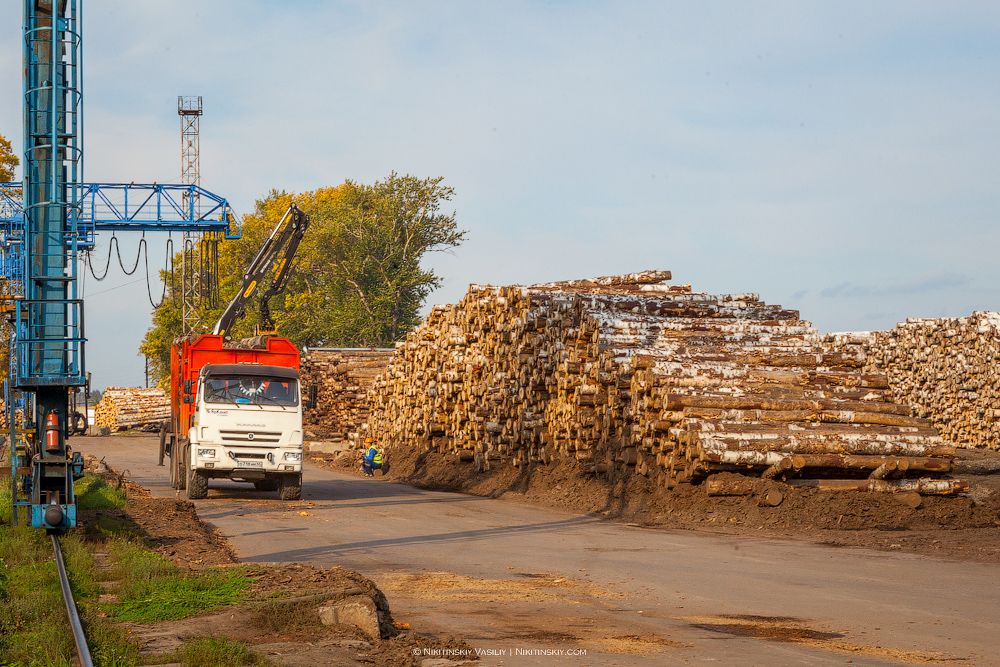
358, 278
8, 161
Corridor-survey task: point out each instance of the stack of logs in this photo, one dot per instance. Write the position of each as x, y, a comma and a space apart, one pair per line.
947, 369
123, 408
627, 372
342, 377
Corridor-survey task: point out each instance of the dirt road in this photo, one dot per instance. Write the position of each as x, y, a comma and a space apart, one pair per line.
514, 579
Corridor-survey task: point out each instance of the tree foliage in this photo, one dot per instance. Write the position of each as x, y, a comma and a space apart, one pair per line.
358, 279
8, 161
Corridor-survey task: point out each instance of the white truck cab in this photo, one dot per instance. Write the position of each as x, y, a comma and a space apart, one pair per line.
247, 426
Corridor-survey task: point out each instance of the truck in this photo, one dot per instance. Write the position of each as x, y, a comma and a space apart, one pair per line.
236, 413
236, 407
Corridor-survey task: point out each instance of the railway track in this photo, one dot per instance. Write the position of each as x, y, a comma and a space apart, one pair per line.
80, 639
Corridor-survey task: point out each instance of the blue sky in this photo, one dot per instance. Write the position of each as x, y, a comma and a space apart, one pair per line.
840, 158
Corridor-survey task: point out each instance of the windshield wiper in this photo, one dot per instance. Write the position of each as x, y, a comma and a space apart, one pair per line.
273, 400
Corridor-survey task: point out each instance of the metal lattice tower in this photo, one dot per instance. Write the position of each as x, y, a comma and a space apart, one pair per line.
190, 110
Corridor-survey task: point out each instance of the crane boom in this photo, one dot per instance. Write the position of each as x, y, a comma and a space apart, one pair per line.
275, 257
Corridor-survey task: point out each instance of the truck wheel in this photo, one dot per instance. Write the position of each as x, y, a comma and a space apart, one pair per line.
174, 484
290, 487
163, 443
182, 461
197, 486
266, 485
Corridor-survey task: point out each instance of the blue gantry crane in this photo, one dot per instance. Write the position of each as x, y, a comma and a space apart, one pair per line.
45, 223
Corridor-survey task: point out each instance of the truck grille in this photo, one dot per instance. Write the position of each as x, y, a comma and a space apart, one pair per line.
255, 437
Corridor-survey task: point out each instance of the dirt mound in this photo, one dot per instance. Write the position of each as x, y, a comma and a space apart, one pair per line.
281, 617
170, 527
311, 584
964, 527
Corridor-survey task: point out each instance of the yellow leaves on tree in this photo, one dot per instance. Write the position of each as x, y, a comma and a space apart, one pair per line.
8, 161
357, 278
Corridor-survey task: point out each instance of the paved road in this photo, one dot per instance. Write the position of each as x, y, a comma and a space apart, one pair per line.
508, 576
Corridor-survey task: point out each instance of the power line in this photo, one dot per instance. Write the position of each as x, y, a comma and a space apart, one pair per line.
112, 289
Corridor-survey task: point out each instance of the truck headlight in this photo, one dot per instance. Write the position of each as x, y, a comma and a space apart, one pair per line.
206, 453
293, 456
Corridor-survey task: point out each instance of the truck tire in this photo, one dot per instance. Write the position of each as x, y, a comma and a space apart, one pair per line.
174, 484
266, 485
197, 486
182, 463
290, 487
163, 443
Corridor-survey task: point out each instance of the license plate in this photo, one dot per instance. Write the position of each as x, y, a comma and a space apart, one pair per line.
249, 464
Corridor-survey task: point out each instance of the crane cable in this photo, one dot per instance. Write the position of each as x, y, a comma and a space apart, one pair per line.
168, 261
142, 252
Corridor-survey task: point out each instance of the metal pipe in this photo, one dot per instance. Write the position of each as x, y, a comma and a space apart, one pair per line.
82, 650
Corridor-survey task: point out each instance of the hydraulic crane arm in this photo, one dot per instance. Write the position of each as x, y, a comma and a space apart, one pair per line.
275, 257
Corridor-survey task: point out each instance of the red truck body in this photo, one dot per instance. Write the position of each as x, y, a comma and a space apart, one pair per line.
189, 356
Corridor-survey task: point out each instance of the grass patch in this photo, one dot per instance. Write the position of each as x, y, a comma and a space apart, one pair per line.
5, 501
93, 493
106, 526
211, 651
218, 652
33, 629
154, 589
110, 645
33, 626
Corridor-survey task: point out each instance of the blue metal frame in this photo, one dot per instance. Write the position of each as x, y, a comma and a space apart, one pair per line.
47, 340
42, 331
134, 206
44, 224
163, 207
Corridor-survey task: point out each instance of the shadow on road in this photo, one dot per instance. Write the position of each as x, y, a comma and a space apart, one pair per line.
348, 492
436, 538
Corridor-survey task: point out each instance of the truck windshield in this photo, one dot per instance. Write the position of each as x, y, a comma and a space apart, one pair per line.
251, 390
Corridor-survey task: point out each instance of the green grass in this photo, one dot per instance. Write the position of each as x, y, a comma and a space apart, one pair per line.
33, 629
5, 502
218, 652
93, 493
154, 589
150, 588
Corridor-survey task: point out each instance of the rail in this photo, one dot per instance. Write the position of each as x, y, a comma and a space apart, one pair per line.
82, 650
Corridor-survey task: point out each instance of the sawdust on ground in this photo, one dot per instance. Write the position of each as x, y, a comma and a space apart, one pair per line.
528, 587
794, 630
634, 644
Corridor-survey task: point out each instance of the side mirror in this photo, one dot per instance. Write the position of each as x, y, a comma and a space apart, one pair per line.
311, 401
189, 399
188, 386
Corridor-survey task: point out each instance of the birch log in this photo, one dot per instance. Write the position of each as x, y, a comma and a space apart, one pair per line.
629, 373
946, 369
342, 378
123, 408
